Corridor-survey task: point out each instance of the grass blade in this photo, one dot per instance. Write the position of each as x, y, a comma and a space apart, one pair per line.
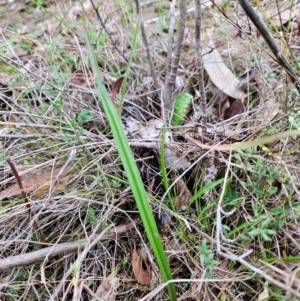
133, 175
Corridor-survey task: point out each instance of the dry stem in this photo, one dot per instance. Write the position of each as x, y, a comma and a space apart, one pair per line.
170, 79
200, 65
263, 29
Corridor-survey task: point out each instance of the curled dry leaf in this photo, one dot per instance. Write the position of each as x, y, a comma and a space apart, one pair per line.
234, 107
37, 182
141, 268
116, 87
151, 129
146, 130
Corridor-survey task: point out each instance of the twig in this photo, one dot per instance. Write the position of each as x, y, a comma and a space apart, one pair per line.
40, 255
170, 80
145, 40
90, 243
164, 107
63, 248
62, 171
35, 225
263, 29
200, 66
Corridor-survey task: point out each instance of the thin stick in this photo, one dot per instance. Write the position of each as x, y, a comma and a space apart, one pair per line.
263, 29
110, 36
170, 80
31, 215
63, 248
200, 66
145, 40
164, 107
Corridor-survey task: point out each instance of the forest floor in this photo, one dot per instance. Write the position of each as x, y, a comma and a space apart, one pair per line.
71, 226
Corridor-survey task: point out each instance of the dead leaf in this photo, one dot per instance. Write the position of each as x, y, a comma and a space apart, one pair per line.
220, 74
235, 107
146, 130
151, 129
44, 188
175, 160
31, 184
108, 288
270, 109
116, 86
182, 194
141, 268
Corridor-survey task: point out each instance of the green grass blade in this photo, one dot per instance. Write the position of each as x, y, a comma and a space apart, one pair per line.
133, 175
204, 189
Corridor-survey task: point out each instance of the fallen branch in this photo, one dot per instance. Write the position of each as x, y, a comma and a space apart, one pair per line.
63, 248
40, 255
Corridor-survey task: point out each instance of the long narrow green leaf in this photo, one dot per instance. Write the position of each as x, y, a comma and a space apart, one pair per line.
204, 189
133, 175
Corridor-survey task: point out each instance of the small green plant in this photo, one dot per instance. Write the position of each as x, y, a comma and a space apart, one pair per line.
268, 76
84, 116
263, 230
38, 3
92, 217
207, 258
1, 158
263, 183
294, 120
26, 45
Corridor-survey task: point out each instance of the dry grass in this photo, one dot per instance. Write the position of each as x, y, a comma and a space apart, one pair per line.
49, 107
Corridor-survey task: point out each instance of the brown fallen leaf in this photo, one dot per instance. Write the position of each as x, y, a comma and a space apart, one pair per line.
33, 183
44, 188
116, 86
235, 107
141, 268
182, 194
